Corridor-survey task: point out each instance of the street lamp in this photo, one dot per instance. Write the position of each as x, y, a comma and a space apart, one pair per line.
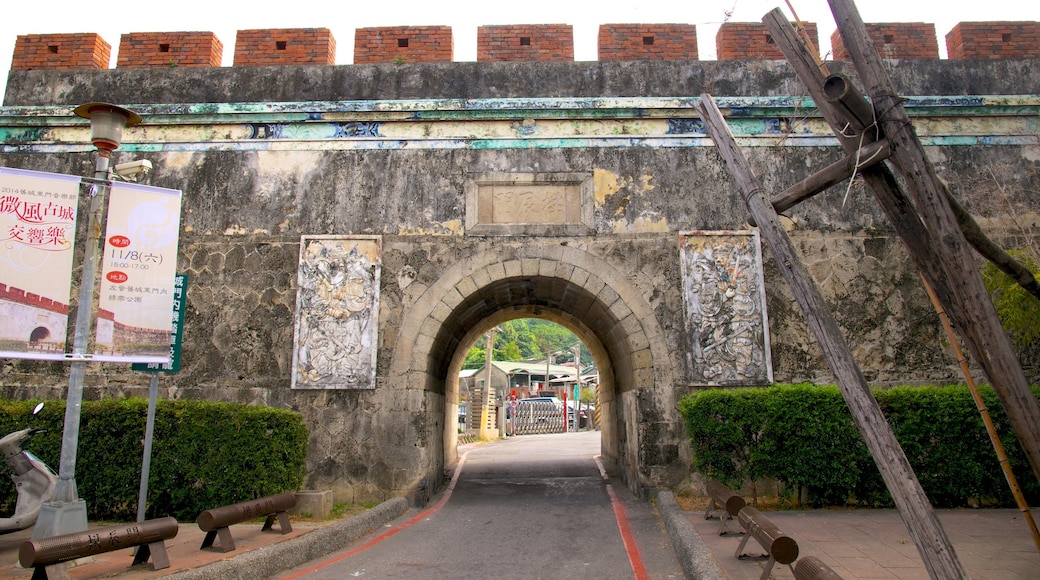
66, 512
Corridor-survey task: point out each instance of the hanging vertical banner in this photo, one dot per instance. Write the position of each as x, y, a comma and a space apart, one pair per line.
37, 235
138, 268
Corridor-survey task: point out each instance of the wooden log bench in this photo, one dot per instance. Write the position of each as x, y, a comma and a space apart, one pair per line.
728, 502
215, 522
779, 546
48, 557
812, 568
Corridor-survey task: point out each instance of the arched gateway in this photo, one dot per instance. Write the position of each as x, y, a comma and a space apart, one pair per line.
560, 282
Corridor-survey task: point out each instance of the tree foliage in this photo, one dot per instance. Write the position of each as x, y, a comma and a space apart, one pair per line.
1019, 311
528, 339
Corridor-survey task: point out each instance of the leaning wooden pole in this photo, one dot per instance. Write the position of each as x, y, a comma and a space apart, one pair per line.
883, 184
931, 540
954, 277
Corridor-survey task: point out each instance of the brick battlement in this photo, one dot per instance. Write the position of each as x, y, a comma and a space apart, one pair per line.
647, 42
403, 44
525, 42
752, 41
148, 49
60, 51
899, 40
993, 40
19, 296
287, 46
508, 43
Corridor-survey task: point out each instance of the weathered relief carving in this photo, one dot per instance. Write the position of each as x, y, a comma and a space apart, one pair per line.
337, 310
529, 204
724, 299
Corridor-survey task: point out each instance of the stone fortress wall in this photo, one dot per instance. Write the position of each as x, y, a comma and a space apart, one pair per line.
285, 144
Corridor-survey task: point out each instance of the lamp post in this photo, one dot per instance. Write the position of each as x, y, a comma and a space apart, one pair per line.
66, 512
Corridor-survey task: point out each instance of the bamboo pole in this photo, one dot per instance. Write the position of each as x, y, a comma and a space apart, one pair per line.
923, 525
991, 429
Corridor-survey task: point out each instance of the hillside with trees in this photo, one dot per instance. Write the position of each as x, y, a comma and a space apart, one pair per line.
528, 339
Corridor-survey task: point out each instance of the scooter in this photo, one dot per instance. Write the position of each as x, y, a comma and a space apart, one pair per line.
32, 478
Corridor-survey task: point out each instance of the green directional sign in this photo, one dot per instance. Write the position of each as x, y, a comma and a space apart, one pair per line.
180, 295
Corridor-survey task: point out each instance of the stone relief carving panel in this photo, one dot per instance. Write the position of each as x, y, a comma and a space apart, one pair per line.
337, 313
727, 326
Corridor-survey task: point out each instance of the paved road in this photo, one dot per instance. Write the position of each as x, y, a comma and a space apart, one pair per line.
532, 507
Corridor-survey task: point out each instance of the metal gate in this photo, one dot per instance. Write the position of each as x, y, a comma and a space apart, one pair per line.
532, 417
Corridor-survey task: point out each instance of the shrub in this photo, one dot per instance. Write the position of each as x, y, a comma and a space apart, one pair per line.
204, 454
804, 436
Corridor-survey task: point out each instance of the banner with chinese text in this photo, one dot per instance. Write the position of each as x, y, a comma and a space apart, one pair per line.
37, 235
138, 268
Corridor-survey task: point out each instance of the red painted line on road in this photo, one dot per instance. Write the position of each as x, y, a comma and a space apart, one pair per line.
634, 558
389, 533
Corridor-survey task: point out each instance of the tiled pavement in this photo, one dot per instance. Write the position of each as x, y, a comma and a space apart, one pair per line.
992, 544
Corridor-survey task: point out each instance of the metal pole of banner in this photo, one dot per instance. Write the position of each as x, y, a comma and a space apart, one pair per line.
66, 512
146, 461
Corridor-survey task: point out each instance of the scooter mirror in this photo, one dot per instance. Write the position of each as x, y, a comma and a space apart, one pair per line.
38, 408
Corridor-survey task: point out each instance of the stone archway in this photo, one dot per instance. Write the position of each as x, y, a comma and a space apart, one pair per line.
563, 283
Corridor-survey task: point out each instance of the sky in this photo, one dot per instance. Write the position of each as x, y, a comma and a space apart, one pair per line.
225, 18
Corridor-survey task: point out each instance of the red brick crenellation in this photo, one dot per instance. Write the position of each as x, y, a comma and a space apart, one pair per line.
647, 42
20, 296
533, 42
61, 51
895, 40
525, 42
403, 44
285, 46
752, 41
151, 49
993, 40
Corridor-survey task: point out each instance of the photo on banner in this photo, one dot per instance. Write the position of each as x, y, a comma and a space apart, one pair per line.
37, 238
138, 268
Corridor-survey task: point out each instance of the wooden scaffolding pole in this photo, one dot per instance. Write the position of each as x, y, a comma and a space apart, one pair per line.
953, 275
931, 540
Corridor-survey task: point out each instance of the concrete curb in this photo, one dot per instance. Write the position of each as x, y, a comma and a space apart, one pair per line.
697, 561
314, 545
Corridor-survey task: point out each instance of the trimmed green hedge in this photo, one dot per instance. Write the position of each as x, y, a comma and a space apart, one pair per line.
803, 436
204, 454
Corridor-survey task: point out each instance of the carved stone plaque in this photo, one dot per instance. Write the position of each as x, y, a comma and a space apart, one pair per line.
337, 312
529, 204
724, 297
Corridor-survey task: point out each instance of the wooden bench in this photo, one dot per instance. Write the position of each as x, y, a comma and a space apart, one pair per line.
215, 522
49, 556
729, 502
779, 546
812, 568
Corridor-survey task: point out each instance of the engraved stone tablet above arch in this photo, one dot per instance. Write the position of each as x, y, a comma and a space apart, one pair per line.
529, 204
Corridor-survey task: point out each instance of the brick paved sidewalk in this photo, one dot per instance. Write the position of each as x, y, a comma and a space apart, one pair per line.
860, 544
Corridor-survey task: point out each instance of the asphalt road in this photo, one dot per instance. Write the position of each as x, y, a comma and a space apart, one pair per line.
530, 507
